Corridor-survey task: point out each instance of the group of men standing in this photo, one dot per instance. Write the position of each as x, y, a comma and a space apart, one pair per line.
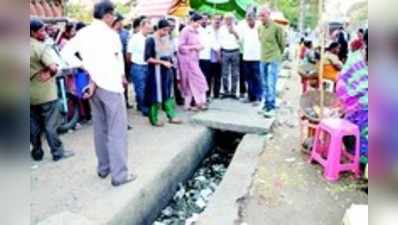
245, 55
228, 54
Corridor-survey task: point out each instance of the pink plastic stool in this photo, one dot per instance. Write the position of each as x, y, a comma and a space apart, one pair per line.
329, 149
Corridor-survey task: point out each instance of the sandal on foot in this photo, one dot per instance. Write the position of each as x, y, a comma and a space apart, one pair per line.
130, 178
158, 124
175, 121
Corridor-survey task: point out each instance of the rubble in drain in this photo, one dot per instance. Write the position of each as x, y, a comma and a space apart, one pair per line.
192, 197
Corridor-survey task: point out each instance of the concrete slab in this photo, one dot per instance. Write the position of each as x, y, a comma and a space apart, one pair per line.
223, 207
281, 85
66, 218
160, 157
233, 115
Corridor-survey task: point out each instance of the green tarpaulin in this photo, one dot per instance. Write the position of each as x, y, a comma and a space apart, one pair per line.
238, 7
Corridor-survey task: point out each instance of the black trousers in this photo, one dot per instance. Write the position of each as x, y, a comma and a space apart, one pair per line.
177, 93
212, 72
243, 77
44, 119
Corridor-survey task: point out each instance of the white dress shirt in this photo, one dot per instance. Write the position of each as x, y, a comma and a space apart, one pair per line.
136, 47
215, 39
250, 42
206, 41
101, 51
227, 40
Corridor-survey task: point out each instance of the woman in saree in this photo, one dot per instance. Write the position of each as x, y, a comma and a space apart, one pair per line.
158, 54
353, 91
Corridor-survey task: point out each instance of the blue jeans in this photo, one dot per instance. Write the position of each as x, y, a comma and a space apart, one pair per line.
254, 80
270, 71
139, 76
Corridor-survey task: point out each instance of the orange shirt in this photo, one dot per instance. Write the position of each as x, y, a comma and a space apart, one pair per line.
330, 71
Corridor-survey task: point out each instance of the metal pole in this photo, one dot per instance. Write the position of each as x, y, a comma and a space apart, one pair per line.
302, 16
322, 60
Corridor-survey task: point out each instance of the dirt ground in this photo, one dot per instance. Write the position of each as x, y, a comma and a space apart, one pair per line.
286, 189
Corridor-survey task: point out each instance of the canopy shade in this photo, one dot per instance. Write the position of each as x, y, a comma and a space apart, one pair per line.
238, 7
157, 8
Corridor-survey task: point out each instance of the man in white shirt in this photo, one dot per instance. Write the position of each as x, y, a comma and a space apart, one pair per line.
101, 55
139, 67
229, 41
251, 58
205, 34
215, 55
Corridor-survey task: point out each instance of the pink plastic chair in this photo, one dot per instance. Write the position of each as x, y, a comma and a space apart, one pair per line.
330, 151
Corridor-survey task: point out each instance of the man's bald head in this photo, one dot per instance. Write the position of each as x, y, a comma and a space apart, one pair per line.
265, 15
229, 19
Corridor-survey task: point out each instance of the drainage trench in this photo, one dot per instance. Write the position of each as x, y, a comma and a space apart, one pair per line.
192, 196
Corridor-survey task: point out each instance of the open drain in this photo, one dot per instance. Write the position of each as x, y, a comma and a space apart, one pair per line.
192, 196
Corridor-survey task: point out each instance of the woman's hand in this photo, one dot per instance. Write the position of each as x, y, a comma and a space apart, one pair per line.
200, 47
167, 64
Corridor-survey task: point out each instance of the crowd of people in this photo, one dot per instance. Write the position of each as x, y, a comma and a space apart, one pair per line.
168, 61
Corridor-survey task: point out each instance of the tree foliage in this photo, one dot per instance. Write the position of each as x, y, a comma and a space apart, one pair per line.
291, 9
359, 14
79, 12
123, 9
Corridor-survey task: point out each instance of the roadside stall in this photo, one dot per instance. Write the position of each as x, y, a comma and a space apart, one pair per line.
330, 139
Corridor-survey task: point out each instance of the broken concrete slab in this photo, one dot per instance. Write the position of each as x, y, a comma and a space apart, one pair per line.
66, 218
233, 115
223, 207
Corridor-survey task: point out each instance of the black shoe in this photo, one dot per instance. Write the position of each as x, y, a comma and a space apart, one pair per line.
234, 97
129, 127
224, 96
103, 176
245, 100
37, 155
67, 154
130, 178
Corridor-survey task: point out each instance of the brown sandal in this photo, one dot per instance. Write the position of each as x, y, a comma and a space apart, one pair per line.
158, 124
175, 121
203, 108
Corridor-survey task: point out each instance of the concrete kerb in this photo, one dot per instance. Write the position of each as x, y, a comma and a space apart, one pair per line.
144, 208
66, 218
140, 202
223, 207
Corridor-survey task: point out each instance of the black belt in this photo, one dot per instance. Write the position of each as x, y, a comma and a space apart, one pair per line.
230, 50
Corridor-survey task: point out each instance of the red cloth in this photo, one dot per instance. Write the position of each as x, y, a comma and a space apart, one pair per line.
357, 44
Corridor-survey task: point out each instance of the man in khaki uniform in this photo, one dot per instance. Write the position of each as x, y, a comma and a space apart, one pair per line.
43, 95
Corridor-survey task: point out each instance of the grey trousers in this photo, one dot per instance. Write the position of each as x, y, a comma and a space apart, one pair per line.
230, 65
110, 133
